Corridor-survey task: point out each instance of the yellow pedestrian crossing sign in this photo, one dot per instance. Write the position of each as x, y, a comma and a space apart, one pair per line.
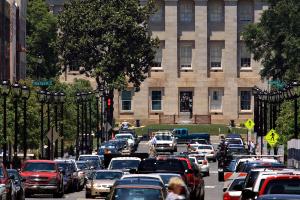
249, 124
272, 137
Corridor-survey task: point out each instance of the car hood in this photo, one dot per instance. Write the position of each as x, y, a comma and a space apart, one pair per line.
104, 182
39, 174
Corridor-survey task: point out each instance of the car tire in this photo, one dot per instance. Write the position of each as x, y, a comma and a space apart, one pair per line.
207, 173
59, 194
88, 196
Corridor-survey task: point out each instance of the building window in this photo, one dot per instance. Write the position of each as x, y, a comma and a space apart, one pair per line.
245, 100
216, 55
158, 56
186, 12
126, 98
156, 100
245, 12
186, 55
216, 99
245, 56
158, 16
216, 12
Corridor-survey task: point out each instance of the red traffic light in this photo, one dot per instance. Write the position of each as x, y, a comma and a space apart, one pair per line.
108, 102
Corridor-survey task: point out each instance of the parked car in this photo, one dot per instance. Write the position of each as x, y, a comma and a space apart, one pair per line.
101, 182
18, 182
165, 142
124, 163
234, 190
138, 188
131, 141
207, 150
7, 186
42, 177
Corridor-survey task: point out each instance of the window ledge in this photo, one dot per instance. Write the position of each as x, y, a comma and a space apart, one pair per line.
158, 112
216, 112
157, 69
246, 69
246, 112
186, 69
126, 112
216, 69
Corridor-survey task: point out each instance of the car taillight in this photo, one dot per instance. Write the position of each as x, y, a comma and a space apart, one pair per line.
204, 162
189, 145
226, 196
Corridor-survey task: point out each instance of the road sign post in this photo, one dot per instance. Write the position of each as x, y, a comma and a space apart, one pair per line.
272, 138
249, 124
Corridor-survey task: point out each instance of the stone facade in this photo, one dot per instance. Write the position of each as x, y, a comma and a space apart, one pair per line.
218, 92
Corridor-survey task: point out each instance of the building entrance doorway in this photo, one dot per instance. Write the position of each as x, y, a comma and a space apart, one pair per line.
186, 102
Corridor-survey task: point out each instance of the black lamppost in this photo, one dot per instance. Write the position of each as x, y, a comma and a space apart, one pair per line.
89, 99
16, 92
5, 90
56, 96
62, 101
97, 118
49, 100
78, 102
101, 95
42, 99
83, 122
25, 97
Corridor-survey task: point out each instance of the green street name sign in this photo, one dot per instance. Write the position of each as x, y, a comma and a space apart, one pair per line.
42, 83
277, 84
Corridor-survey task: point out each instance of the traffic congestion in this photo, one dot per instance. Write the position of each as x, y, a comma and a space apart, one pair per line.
165, 169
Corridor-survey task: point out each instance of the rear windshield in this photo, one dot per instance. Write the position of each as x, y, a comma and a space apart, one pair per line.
152, 165
107, 175
124, 164
234, 141
137, 193
205, 147
235, 185
39, 167
82, 166
288, 186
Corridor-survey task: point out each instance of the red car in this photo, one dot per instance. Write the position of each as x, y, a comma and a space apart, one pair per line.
281, 184
42, 177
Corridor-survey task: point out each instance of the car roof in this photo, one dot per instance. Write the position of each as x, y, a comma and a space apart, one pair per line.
126, 158
40, 161
279, 197
108, 170
143, 176
139, 181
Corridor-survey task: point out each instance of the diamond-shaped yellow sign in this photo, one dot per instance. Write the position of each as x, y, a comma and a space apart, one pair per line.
272, 137
249, 124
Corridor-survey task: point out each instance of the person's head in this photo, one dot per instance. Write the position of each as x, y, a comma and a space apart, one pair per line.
176, 185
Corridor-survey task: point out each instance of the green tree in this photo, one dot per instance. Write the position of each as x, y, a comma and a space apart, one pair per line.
42, 57
275, 40
109, 38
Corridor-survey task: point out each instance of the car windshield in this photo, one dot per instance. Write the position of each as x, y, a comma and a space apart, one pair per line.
63, 165
137, 194
288, 186
163, 137
205, 147
236, 185
39, 167
107, 175
124, 164
123, 137
232, 141
166, 177
82, 166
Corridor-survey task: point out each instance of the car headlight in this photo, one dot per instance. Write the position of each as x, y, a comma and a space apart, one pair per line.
170, 145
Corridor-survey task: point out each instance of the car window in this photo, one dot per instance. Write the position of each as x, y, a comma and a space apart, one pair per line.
161, 165
289, 186
107, 175
205, 147
251, 178
39, 167
236, 185
82, 166
163, 137
124, 164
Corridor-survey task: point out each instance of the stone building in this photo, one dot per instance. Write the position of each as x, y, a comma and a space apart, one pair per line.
12, 39
203, 71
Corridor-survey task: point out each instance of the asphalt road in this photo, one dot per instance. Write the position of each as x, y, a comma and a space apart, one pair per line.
213, 189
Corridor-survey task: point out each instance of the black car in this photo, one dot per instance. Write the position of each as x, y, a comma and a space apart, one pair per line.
68, 176
18, 182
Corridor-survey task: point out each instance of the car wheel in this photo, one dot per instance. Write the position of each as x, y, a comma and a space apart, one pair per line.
59, 194
88, 196
27, 195
207, 173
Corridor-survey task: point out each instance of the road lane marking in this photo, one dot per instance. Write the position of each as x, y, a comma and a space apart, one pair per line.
210, 187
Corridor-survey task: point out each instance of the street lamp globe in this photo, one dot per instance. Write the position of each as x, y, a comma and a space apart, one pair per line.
42, 96
5, 88
25, 92
78, 97
16, 90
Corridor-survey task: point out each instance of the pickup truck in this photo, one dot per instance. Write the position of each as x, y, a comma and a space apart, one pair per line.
183, 137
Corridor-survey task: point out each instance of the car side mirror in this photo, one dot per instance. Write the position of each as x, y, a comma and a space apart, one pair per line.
224, 189
248, 194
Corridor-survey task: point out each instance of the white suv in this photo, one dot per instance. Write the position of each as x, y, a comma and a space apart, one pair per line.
165, 142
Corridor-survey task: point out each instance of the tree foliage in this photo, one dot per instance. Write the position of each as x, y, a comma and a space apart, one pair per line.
42, 57
275, 40
110, 38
